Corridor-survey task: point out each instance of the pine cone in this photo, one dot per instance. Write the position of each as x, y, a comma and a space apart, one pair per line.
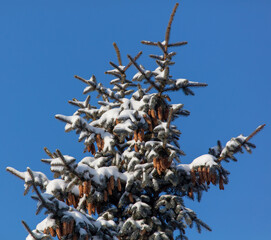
191, 193
213, 178
221, 183
193, 176
204, 176
105, 196
112, 182
89, 207
160, 113
92, 149
135, 136
81, 192
208, 176
109, 188
119, 185
52, 232
141, 135
85, 188
99, 142
65, 228
58, 233
130, 196
200, 175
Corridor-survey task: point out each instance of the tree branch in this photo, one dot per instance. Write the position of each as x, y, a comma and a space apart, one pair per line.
258, 129
118, 53
143, 73
169, 25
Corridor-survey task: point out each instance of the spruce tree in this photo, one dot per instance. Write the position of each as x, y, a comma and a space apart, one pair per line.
131, 184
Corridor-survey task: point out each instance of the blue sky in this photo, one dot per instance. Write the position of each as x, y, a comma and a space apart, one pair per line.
45, 43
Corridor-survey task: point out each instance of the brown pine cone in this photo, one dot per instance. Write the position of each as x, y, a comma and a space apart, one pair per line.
52, 232
93, 208
65, 228
98, 141
58, 233
193, 176
213, 178
208, 175
71, 226
105, 196
155, 162
92, 149
89, 208
160, 113
200, 175
131, 197
70, 199
88, 148
141, 135
191, 193
119, 185
168, 98
163, 162
112, 182
221, 183
74, 201
158, 167
135, 136
85, 188
204, 176
109, 188
81, 192
88, 187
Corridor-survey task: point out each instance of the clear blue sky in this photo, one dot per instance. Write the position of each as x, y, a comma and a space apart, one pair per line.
45, 43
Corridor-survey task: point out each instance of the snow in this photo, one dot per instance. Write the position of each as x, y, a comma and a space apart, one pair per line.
233, 145
207, 160
181, 82
139, 76
38, 235
56, 185
46, 223
107, 118
106, 223
184, 167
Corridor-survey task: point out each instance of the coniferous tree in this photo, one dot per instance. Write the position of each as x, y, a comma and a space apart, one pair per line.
132, 187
